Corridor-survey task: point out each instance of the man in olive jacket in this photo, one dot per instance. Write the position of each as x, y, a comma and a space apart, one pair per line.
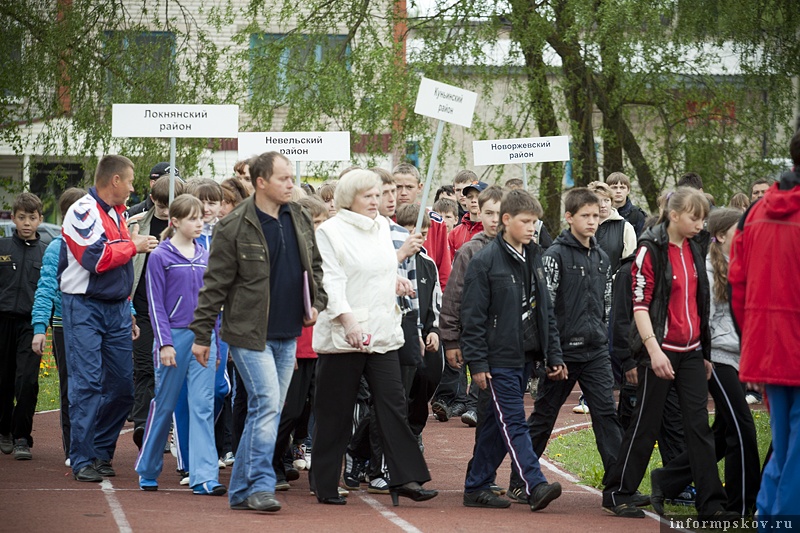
261, 256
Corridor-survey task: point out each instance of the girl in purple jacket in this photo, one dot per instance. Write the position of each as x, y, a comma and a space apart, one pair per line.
174, 277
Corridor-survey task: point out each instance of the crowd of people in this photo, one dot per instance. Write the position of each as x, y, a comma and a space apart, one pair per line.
254, 323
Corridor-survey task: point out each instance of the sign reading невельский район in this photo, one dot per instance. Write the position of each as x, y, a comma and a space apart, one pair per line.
517, 151
298, 145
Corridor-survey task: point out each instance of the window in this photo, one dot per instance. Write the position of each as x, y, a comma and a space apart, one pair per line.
142, 66
412, 153
10, 61
282, 64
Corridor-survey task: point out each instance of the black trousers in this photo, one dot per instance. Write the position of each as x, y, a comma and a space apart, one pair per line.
60, 352
453, 388
223, 427
337, 382
597, 383
144, 376
735, 440
19, 377
299, 388
690, 382
671, 442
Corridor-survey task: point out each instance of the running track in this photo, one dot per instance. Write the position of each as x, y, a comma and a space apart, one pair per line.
41, 496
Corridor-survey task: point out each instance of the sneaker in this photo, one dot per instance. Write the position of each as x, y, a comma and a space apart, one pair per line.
486, 499
292, 474
517, 494
440, 411
221, 463
470, 418
542, 494
282, 485
185, 480
379, 485
104, 468
138, 436
67, 462
298, 457
457, 409
581, 408
687, 497
228, 459
752, 398
497, 489
625, 510
640, 500
354, 471
210, 488
148, 484
22, 451
6, 444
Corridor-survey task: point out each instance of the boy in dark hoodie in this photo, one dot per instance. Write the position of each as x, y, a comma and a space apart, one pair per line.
579, 280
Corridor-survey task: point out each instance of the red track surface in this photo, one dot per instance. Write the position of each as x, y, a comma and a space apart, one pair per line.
41, 496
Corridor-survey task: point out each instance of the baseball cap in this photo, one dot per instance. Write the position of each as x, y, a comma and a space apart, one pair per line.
475, 185
162, 168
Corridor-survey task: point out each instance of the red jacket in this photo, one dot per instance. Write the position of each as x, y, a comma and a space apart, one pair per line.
437, 248
463, 233
765, 288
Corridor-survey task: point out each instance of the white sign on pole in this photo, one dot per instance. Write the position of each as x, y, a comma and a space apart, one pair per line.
297, 146
174, 120
445, 102
516, 151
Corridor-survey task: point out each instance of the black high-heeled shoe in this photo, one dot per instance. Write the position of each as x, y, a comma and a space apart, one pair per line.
412, 492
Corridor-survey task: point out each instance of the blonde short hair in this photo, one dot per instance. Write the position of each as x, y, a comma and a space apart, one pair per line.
352, 183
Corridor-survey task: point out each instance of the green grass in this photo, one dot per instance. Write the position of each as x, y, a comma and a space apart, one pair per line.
49, 397
577, 453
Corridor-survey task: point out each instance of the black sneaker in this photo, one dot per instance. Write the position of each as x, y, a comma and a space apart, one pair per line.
138, 436
517, 494
625, 510
22, 451
6, 444
354, 471
88, 473
485, 498
440, 411
542, 494
687, 497
640, 500
104, 468
457, 409
292, 474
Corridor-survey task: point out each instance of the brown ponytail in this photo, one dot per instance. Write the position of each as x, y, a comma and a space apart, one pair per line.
684, 200
719, 222
182, 206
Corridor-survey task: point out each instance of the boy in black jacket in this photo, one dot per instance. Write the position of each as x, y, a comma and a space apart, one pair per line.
579, 281
508, 322
20, 263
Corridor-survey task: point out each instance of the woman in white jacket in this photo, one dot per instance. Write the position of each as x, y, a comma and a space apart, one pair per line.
358, 334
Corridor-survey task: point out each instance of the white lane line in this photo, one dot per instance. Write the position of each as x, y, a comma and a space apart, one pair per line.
116, 507
390, 516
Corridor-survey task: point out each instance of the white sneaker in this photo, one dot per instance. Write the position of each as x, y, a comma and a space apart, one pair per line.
67, 462
185, 481
221, 463
581, 409
228, 459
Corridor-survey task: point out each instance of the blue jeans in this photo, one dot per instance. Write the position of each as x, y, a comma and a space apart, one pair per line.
266, 375
781, 480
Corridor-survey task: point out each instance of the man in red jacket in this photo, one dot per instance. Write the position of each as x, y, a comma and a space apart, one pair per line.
765, 299
409, 185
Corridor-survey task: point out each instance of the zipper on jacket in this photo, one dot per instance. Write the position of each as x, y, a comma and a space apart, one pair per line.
686, 297
494, 323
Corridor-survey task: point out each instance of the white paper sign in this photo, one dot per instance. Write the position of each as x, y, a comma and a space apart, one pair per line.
174, 120
445, 102
530, 150
297, 146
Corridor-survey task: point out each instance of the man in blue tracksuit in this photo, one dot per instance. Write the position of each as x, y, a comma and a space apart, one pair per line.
96, 278
508, 322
